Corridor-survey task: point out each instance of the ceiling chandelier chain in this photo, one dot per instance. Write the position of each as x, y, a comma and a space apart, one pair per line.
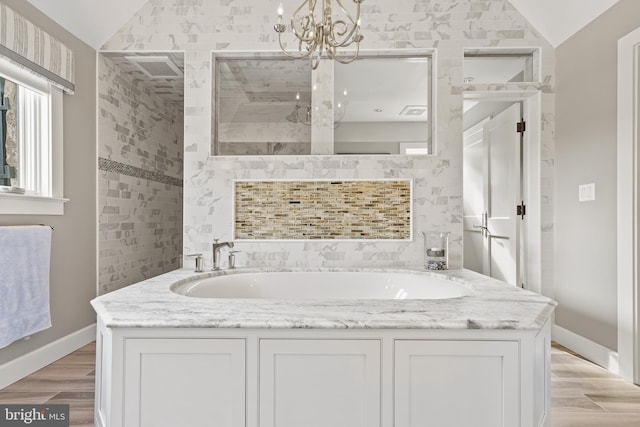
315, 38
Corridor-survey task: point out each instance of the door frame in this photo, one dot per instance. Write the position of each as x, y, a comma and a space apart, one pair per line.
531, 234
628, 206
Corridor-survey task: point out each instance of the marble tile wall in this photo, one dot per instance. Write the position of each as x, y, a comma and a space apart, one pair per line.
140, 181
199, 27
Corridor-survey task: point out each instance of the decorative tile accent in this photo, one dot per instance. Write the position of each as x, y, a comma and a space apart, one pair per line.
323, 210
128, 170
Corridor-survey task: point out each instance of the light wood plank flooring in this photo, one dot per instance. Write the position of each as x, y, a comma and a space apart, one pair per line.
584, 394
70, 380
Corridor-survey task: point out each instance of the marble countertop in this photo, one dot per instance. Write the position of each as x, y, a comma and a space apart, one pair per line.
493, 305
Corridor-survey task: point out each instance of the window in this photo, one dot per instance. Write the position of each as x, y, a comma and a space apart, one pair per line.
30, 143
501, 65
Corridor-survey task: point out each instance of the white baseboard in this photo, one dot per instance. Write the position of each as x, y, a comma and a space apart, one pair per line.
593, 351
27, 364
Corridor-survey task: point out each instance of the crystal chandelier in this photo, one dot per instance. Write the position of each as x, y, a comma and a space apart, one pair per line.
315, 38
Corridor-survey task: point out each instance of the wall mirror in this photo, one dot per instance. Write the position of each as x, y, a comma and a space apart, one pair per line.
264, 105
261, 106
383, 106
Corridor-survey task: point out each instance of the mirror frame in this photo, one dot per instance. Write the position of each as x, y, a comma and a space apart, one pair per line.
431, 53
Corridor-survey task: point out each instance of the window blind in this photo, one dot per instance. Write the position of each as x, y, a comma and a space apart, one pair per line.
24, 43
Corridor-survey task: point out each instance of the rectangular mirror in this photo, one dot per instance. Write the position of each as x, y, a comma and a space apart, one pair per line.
261, 106
383, 106
264, 104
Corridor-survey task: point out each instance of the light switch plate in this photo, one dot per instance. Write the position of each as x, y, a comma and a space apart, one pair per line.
586, 192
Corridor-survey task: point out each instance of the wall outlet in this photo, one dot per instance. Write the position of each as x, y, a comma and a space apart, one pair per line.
586, 192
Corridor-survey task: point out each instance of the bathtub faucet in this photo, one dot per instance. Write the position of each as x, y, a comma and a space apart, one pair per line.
216, 252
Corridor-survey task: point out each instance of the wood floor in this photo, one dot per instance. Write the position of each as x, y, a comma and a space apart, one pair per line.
69, 380
584, 395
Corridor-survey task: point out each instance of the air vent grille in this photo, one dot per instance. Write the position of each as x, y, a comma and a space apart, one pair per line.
156, 67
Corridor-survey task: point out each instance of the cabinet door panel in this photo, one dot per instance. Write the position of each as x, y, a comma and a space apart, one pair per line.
319, 383
184, 382
456, 384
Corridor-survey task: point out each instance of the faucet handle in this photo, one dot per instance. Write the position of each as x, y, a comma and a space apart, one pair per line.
199, 262
232, 259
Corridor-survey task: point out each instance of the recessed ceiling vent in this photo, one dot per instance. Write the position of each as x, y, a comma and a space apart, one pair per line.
156, 67
413, 110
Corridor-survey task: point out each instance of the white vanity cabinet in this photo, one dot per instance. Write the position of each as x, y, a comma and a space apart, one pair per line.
319, 383
223, 377
457, 383
154, 382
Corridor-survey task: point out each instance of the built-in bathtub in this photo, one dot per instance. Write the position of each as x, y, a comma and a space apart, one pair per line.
349, 348
297, 285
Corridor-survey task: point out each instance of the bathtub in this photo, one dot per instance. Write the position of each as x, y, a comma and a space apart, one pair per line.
323, 285
316, 348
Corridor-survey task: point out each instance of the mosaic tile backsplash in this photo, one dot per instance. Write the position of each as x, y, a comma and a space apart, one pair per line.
323, 210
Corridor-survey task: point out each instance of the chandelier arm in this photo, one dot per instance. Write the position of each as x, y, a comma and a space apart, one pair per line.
315, 59
307, 22
354, 23
306, 30
292, 55
349, 59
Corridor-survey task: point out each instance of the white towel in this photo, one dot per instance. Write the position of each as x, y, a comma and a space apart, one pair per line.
25, 253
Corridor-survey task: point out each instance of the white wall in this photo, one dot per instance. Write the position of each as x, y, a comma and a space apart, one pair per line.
585, 232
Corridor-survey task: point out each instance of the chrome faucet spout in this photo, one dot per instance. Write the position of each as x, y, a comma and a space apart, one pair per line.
216, 252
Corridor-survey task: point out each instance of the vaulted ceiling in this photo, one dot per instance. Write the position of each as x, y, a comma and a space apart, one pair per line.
95, 21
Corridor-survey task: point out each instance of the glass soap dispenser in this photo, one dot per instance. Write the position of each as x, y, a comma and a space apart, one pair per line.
436, 250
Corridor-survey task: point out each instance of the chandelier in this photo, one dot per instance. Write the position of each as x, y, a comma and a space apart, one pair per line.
302, 113
315, 38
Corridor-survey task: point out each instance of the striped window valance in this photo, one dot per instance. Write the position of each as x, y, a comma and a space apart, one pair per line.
24, 43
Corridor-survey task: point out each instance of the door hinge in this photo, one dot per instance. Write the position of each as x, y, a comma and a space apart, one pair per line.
521, 210
521, 126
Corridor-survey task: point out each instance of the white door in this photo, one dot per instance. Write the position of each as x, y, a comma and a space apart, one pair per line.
492, 190
628, 206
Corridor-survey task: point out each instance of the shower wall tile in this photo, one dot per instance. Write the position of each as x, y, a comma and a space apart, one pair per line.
140, 182
198, 27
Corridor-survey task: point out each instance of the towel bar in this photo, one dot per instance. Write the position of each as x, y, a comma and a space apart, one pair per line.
43, 225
